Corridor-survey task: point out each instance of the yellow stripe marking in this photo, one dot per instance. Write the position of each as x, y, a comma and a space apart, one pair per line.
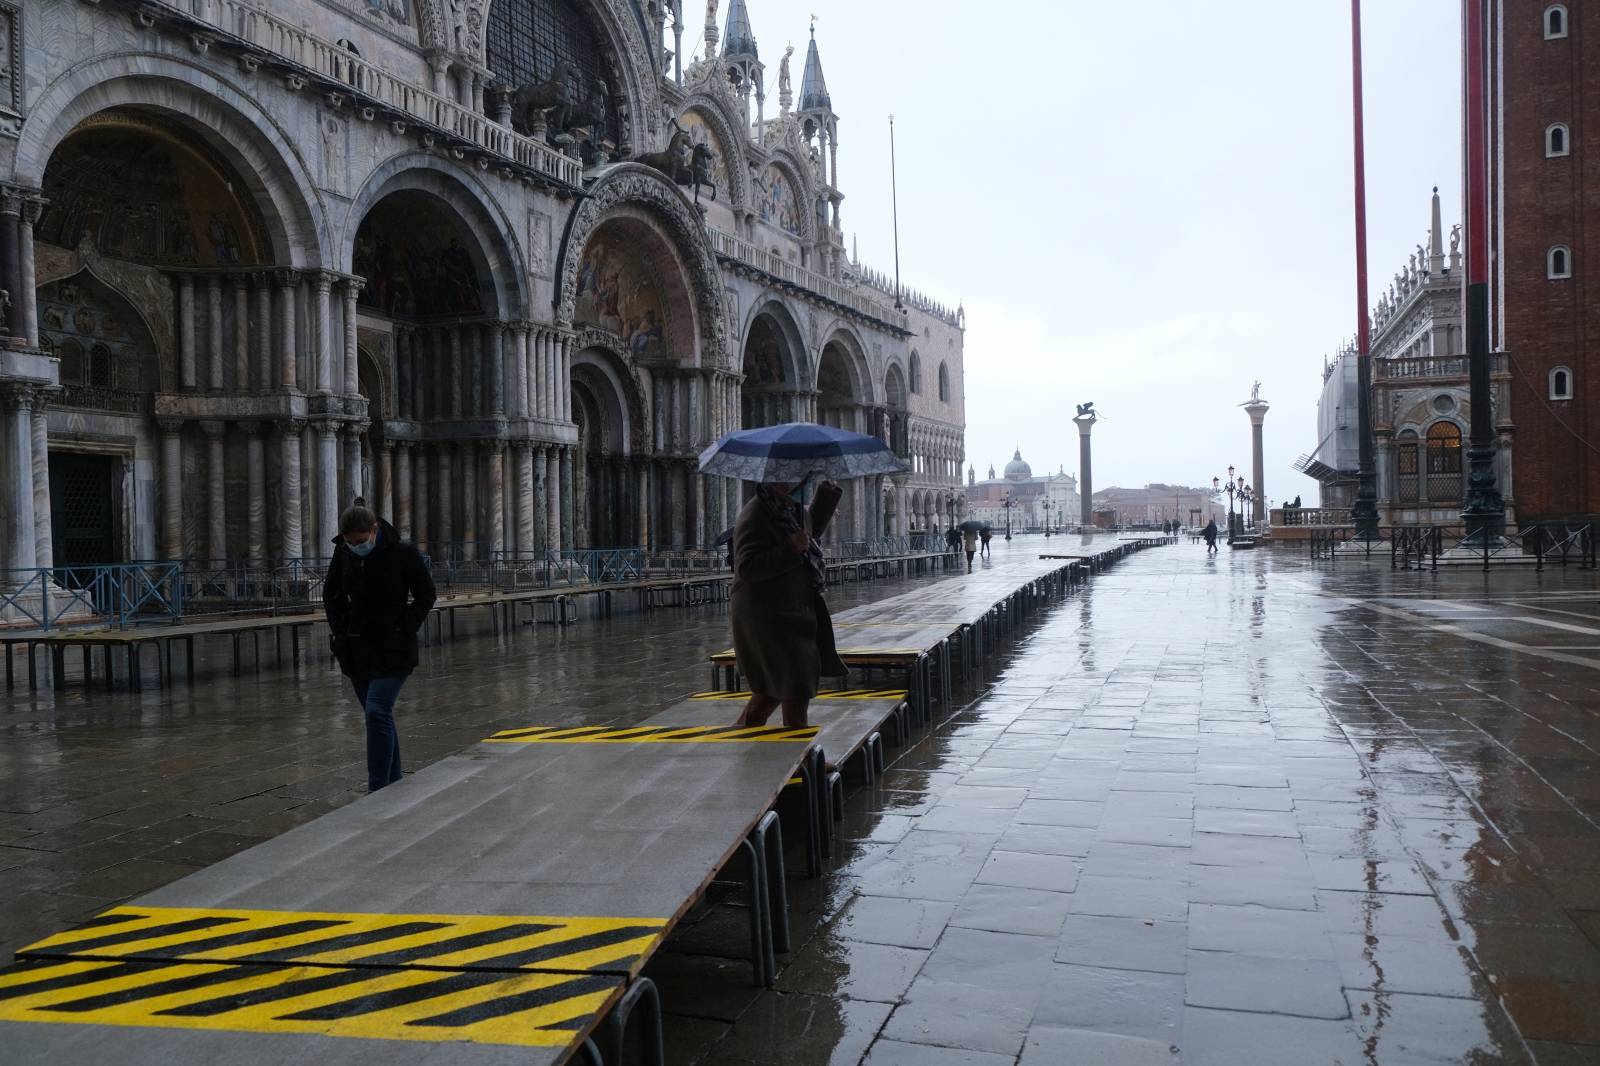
688, 734
522, 1009
841, 694
351, 939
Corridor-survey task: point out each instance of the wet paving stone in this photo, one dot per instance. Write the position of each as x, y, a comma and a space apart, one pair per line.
1316, 814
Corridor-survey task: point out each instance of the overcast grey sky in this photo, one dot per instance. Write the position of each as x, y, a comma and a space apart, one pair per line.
1144, 205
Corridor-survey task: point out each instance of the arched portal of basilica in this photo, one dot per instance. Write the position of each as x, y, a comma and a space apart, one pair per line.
504, 269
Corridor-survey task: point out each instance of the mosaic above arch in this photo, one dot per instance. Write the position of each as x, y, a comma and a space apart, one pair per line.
777, 201
143, 190
417, 259
701, 131
618, 293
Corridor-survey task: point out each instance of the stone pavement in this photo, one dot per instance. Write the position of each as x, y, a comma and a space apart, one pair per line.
1237, 810
1229, 811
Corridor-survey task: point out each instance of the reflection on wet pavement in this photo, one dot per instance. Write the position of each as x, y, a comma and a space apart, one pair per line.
1234, 810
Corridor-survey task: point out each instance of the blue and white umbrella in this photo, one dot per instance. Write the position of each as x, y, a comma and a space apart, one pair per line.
789, 452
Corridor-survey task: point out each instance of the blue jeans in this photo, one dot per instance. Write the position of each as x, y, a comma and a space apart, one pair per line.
377, 696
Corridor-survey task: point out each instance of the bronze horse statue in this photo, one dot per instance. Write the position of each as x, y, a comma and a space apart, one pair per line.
553, 95
674, 160
701, 161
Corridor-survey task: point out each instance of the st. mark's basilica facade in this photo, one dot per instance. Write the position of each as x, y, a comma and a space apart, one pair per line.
503, 267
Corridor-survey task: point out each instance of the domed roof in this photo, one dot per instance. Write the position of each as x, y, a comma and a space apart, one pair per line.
1018, 469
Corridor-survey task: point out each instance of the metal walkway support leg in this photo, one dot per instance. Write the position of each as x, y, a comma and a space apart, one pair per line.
641, 994
768, 836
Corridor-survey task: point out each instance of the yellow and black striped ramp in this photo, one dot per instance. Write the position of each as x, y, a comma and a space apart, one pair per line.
536, 1010
653, 734
841, 694
309, 938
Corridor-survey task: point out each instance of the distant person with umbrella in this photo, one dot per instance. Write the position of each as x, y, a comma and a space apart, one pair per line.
782, 632
969, 540
985, 534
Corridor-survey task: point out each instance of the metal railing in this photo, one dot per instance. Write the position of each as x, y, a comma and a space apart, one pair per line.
115, 594
262, 30
736, 248
1418, 547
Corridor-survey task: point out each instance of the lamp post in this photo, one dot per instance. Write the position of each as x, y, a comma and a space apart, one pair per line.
1047, 516
1006, 503
1231, 491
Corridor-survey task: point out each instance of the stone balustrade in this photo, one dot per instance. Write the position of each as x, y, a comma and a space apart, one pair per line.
261, 31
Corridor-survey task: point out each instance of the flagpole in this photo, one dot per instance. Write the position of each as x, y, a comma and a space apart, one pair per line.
1364, 513
894, 200
1484, 516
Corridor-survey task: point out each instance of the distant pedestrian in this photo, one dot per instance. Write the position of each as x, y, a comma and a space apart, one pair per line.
1210, 533
782, 632
969, 544
985, 535
376, 596
952, 538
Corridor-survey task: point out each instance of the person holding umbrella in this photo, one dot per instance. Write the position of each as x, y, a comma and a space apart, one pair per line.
969, 539
782, 632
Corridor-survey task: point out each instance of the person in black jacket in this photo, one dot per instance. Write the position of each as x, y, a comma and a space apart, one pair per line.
377, 595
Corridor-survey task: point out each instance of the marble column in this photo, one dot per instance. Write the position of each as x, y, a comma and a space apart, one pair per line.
259, 374
214, 349
519, 370
496, 336
453, 372
290, 534
172, 488
537, 386
352, 369
187, 372
255, 462
402, 372
541, 498
322, 288
472, 346
468, 458
18, 528
698, 530
288, 364
641, 502
402, 491
523, 452
352, 480
384, 489
25, 300
239, 285
568, 501
327, 487
423, 504
19, 548
554, 490
497, 499
39, 427
564, 386
444, 482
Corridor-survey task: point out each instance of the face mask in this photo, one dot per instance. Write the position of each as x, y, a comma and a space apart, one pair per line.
365, 548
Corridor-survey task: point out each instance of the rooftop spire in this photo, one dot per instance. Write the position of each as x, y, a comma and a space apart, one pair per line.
737, 37
1435, 238
813, 86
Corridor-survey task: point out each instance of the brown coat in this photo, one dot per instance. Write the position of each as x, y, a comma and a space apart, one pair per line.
782, 634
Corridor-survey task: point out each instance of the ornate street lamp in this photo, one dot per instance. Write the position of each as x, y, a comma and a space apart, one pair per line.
1006, 503
1231, 492
1047, 516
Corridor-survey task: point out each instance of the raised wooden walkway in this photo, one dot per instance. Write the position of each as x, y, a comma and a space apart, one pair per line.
498, 906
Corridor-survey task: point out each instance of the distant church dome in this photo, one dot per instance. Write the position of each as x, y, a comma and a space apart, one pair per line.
1018, 469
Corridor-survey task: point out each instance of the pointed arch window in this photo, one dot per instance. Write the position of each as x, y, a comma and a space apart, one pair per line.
1444, 463
1561, 383
1558, 263
916, 373
1555, 22
1557, 140
944, 383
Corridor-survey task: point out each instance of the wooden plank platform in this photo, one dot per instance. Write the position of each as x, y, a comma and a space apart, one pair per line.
573, 834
